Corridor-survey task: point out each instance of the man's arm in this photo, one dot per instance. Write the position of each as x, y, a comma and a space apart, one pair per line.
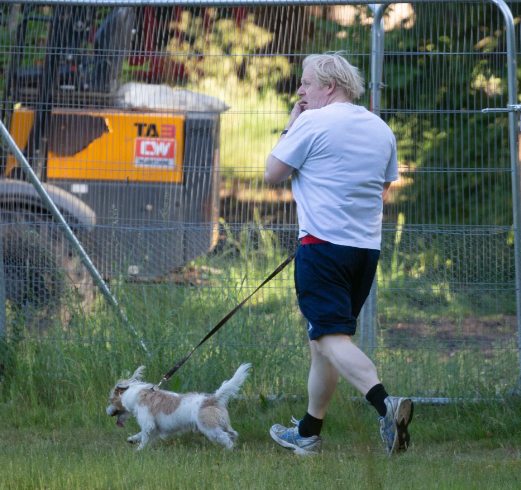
385, 192
276, 170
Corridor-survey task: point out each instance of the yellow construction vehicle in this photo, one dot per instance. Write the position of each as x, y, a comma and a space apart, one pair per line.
131, 166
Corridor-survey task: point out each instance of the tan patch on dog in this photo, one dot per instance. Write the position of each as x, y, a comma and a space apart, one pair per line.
211, 414
209, 401
210, 417
158, 402
115, 397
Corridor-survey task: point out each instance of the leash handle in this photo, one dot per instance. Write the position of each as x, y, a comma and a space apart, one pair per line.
168, 375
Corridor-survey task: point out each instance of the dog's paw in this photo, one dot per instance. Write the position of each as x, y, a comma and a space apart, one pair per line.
131, 440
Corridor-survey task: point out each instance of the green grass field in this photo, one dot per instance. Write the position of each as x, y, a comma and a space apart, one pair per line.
454, 446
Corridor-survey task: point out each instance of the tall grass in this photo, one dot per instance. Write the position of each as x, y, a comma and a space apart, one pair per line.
52, 369
46, 372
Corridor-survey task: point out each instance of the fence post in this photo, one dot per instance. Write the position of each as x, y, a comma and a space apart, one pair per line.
3, 316
514, 111
369, 313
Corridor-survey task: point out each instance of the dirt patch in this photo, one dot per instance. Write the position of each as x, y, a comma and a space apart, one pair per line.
471, 331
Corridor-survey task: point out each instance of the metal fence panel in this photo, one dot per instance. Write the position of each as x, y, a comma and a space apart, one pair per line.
448, 252
150, 126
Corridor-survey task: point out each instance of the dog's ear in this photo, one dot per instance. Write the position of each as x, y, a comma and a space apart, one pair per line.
138, 373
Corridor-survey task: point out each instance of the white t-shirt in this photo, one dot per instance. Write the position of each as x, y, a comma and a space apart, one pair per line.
342, 155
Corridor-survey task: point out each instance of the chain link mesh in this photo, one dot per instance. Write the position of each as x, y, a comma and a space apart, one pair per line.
159, 120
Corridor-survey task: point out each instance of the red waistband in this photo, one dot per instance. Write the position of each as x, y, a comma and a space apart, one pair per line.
311, 239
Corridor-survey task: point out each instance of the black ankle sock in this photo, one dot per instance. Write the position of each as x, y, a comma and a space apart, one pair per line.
309, 426
376, 396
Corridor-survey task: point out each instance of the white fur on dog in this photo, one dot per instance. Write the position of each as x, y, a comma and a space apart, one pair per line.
161, 413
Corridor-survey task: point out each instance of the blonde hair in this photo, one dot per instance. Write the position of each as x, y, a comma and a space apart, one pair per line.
333, 67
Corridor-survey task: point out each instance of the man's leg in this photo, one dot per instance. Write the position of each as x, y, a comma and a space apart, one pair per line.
305, 437
335, 354
331, 355
352, 364
322, 381
348, 360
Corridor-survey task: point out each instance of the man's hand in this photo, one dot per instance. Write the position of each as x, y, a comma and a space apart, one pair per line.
385, 193
297, 110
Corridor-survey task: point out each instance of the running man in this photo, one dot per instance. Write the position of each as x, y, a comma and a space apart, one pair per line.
342, 159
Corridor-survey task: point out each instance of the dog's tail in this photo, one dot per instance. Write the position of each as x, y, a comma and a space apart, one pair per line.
231, 387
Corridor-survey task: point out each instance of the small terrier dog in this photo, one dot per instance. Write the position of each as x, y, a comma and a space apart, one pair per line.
160, 413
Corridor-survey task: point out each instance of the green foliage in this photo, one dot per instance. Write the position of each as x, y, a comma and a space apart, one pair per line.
224, 51
265, 72
250, 129
325, 34
447, 87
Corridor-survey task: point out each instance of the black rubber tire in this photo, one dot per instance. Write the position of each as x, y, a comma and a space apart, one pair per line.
44, 278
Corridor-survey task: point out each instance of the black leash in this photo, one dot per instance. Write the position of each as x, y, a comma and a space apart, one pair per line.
168, 375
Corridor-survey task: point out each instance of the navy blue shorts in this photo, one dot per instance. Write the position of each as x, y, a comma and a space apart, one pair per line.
332, 283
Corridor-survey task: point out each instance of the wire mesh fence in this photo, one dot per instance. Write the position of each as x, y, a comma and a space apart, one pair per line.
149, 127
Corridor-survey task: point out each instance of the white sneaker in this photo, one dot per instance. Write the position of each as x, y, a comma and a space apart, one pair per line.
393, 427
291, 439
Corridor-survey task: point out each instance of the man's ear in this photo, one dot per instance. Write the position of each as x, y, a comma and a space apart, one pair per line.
331, 88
